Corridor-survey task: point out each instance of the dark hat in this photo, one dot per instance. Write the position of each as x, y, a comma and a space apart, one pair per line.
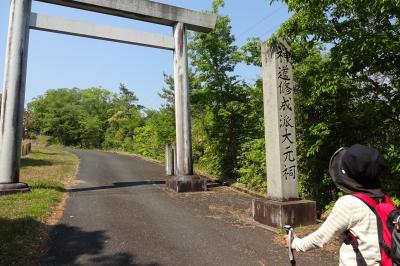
357, 169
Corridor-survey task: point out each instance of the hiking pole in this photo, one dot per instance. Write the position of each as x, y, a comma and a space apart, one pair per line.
289, 233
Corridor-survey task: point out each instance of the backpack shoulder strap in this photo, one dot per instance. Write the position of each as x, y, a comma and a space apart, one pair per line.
367, 200
371, 202
350, 239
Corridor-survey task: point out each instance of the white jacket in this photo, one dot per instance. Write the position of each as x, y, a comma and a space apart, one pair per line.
349, 213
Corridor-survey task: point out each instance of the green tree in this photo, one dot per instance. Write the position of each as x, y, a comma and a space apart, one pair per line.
219, 95
124, 119
251, 168
157, 131
72, 116
168, 93
346, 59
58, 115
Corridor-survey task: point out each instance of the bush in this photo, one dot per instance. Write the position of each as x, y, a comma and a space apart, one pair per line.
252, 165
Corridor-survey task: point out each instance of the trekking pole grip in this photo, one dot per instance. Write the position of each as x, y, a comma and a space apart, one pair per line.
289, 233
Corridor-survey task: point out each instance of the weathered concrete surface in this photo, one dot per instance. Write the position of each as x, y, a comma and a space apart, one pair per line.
282, 206
278, 214
187, 183
8, 188
12, 108
183, 157
120, 214
146, 11
174, 156
280, 135
101, 32
169, 163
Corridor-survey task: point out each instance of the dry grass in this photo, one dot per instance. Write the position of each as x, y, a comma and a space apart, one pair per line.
23, 216
332, 246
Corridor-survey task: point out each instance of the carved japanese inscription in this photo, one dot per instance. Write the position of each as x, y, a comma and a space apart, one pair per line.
279, 117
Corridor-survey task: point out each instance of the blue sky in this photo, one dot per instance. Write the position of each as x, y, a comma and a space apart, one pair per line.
61, 61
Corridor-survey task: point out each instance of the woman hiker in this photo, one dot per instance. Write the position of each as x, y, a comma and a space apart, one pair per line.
354, 169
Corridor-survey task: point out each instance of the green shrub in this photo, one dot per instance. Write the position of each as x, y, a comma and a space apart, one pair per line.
252, 164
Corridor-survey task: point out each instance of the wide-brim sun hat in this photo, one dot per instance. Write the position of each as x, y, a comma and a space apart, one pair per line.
357, 169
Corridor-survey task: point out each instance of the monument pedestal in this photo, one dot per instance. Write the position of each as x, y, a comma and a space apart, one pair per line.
8, 188
280, 213
187, 183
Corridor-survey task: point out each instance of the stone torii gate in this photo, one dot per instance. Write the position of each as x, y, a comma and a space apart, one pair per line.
22, 20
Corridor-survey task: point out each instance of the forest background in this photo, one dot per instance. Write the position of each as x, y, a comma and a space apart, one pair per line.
346, 57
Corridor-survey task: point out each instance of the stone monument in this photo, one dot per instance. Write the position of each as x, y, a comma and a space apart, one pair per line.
282, 205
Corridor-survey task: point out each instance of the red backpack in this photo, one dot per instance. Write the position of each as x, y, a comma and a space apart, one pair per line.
388, 220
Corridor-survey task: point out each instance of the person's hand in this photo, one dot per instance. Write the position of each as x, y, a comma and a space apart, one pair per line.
286, 240
286, 237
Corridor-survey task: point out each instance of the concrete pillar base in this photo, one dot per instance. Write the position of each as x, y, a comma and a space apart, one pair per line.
280, 213
187, 183
8, 188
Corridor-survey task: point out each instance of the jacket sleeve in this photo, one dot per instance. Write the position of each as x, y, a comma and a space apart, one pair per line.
337, 222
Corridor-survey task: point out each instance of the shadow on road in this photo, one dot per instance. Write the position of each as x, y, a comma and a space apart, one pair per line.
118, 185
69, 245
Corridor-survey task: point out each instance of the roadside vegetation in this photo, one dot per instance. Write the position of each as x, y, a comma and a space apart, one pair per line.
347, 69
23, 215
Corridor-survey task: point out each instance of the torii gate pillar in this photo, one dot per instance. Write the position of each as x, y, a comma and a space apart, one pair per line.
184, 180
182, 112
12, 106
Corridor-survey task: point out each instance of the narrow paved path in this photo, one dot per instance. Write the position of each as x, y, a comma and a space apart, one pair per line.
120, 213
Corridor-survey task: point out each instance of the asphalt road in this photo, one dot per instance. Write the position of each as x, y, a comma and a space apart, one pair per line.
120, 213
